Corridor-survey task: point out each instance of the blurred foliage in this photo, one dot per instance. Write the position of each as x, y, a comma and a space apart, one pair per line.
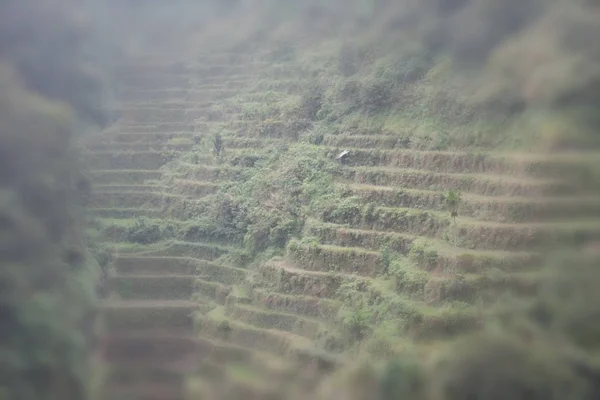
462, 67
273, 200
47, 273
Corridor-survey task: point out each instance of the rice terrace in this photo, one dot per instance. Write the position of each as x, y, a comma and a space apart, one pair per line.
363, 199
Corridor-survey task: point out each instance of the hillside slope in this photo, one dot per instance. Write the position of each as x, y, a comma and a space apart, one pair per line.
245, 249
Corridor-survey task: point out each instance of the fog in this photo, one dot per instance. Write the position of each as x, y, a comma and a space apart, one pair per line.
529, 70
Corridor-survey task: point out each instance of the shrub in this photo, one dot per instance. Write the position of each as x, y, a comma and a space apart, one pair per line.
345, 211
224, 328
385, 257
408, 278
311, 101
423, 254
143, 232
451, 200
316, 137
375, 94
357, 323
368, 212
271, 202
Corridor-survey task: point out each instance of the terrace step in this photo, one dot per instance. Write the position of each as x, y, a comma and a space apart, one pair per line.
130, 199
194, 188
175, 94
367, 141
283, 278
149, 263
481, 184
158, 131
471, 233
208, 173
153, 115
249, 143
142, 376
313, 307
489, 208
529, 165
264, 340
124, 316
228, 388
326, 258
478, 288
225, 354
137, 147
212, 291
182, 249
156, 391
444, 256
159, 81
149, 287
143, 160
123, 188
123, 177
126, 213
150, 348
154, 266
266, 319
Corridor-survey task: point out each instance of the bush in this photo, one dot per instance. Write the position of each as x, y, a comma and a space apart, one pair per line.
344, 211
143, 232
271, 202
385, 257
423, 254
408, 278
224, 328
375, 94
311, 101
357, 324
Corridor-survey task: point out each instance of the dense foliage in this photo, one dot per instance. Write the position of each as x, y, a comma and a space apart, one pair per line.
440, 74
272, 201
457, 74
46, 273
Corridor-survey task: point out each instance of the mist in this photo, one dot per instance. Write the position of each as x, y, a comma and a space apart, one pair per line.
281, 199
48, 85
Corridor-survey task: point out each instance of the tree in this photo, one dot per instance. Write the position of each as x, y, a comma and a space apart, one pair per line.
451, 200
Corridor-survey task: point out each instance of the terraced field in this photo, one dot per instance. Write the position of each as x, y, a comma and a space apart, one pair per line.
177, 320
184, 319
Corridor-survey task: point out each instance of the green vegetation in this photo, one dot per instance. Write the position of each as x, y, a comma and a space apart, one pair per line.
273, 200
48, 273
451, 202
423, 95
460, 78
